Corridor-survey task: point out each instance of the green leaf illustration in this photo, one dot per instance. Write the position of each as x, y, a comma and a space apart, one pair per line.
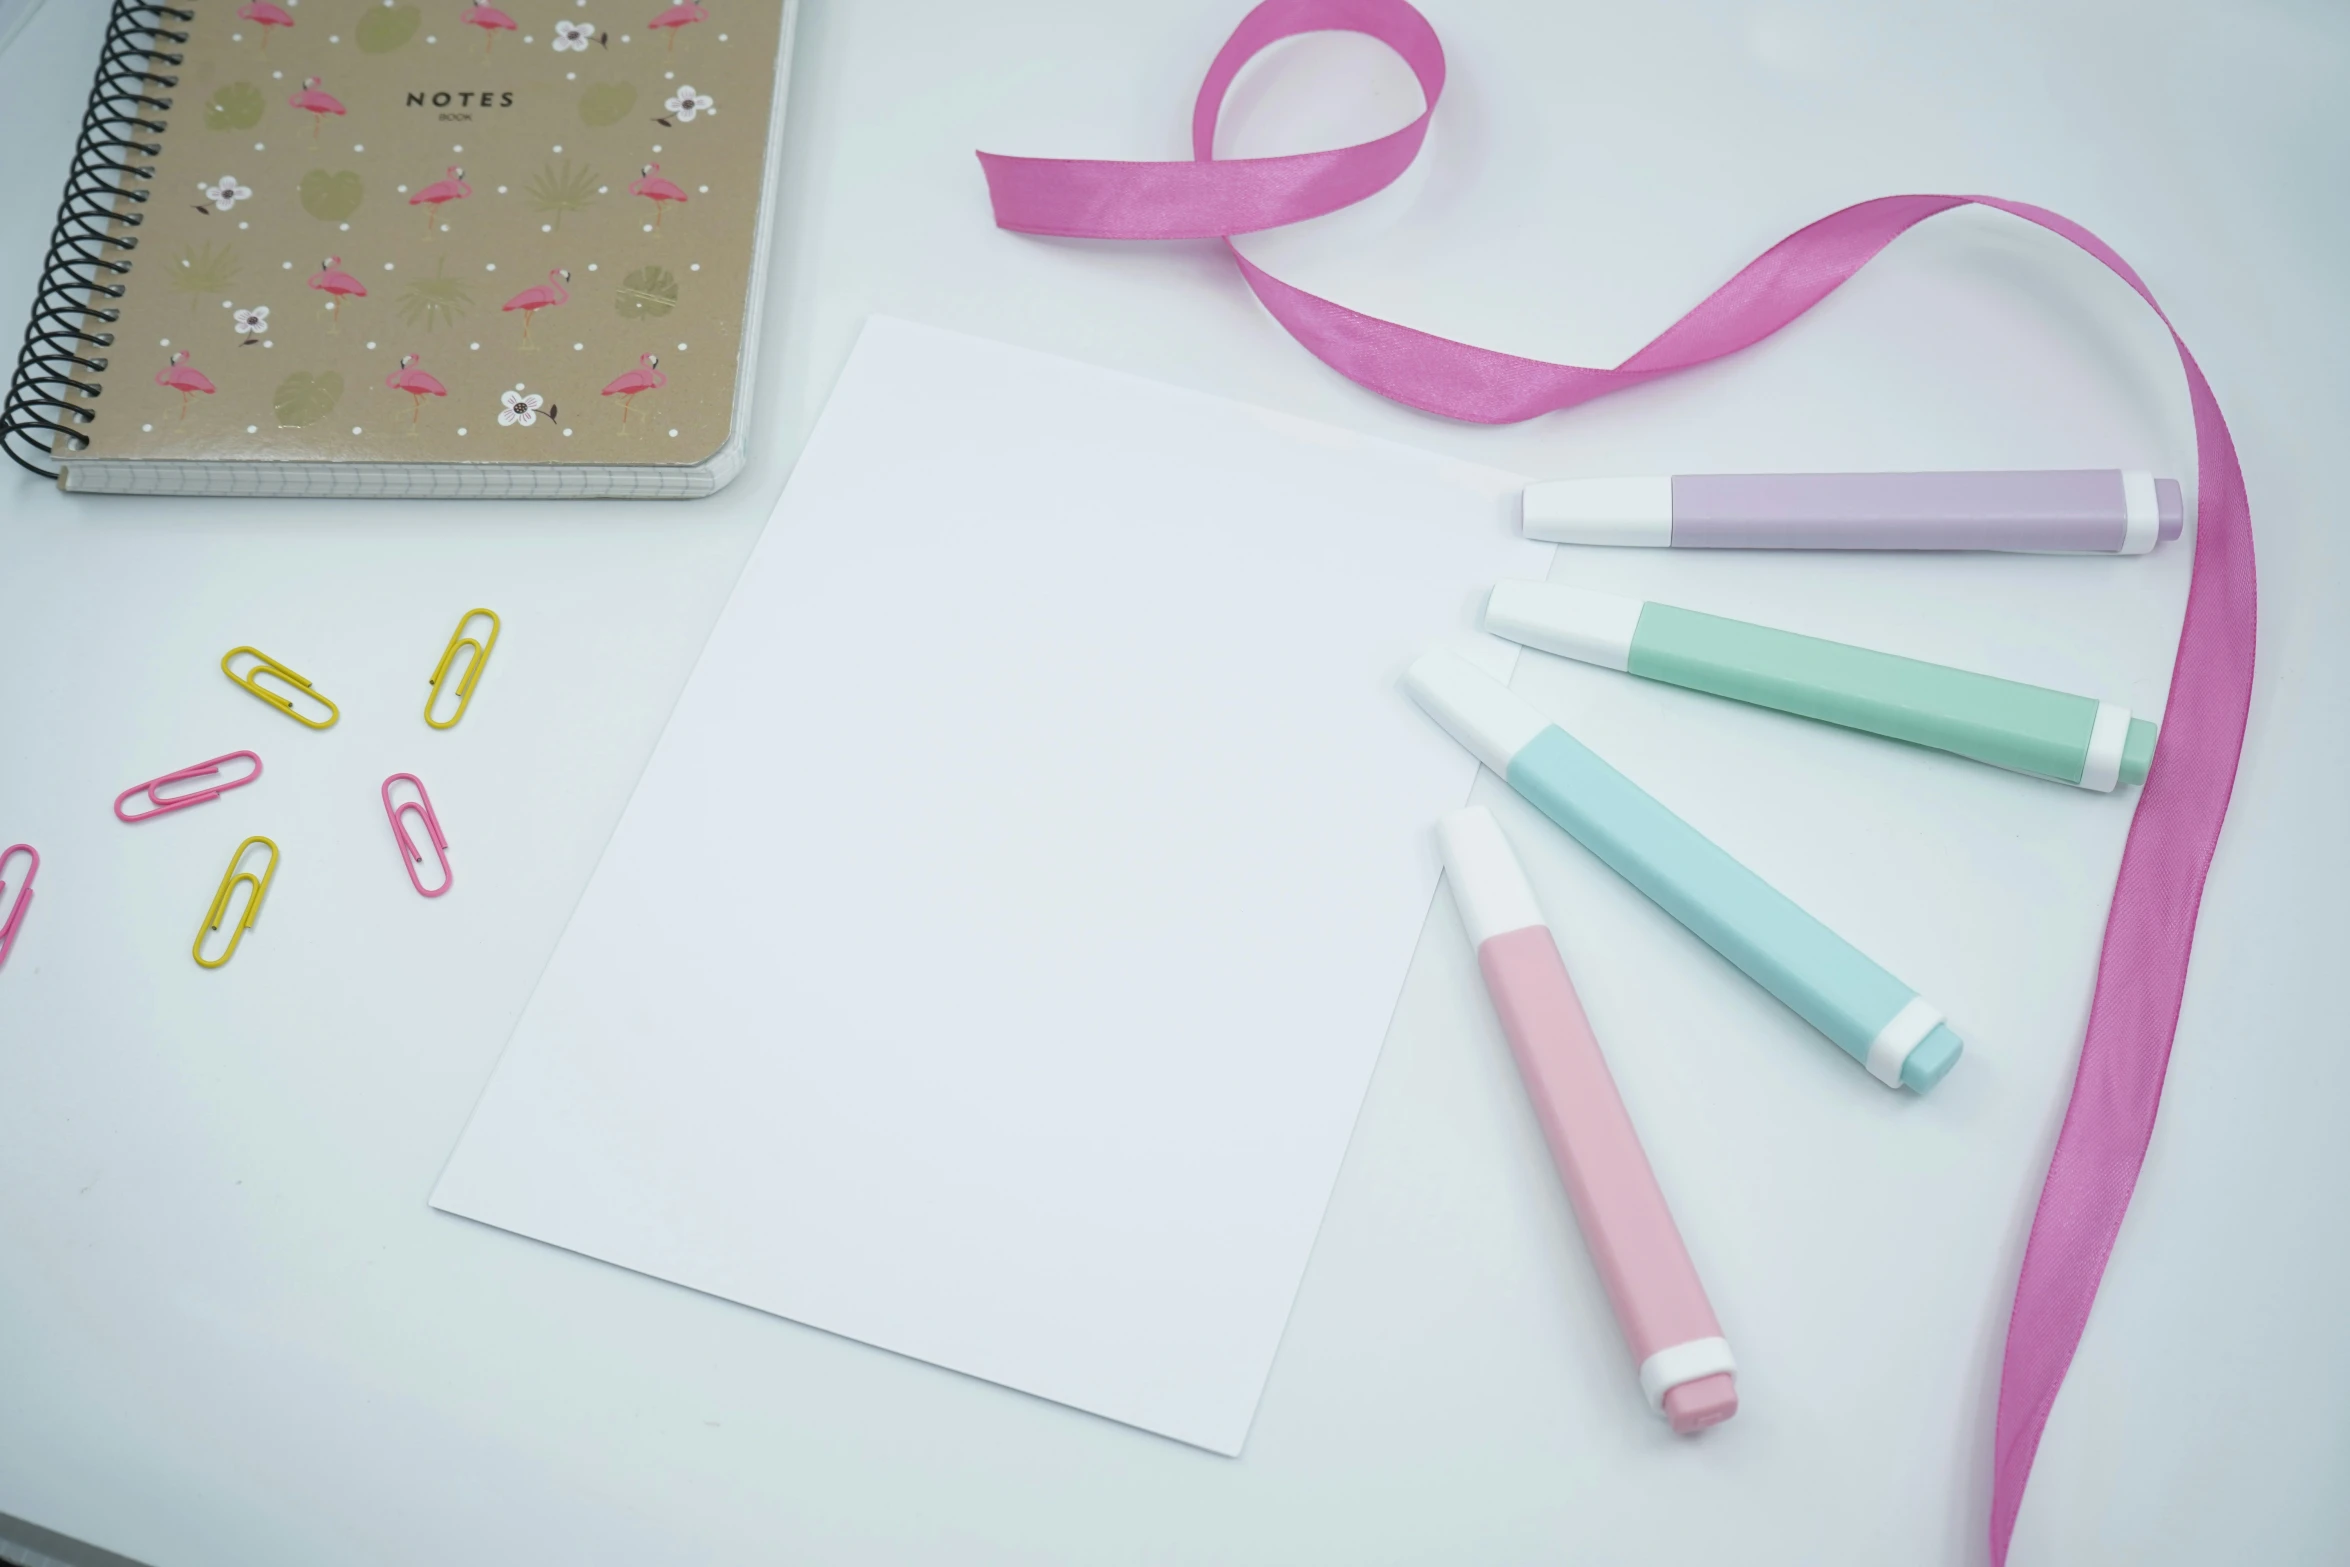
554, 192
386, 27
330, 198
303, 398
606, 103
646, 292
435, 301
236, 107
200, 271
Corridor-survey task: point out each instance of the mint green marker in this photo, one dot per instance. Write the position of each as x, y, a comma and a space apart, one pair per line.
2027, 729
1874, 1018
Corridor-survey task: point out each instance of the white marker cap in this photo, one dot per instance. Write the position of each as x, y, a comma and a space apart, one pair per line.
2109, 734
1600, 511
1487, 882
2141, 512
1480, 712
1574, 622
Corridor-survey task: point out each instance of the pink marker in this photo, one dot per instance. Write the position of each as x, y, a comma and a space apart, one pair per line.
1685, 1364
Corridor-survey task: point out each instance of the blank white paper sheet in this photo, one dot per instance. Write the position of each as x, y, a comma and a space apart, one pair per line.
995, 953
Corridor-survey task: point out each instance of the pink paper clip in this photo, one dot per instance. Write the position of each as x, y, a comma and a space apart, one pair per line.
412, 856
180, 802
24, 896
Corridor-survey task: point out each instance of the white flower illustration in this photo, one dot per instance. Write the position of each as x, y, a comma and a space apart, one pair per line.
689, 103
251, 321
520, 407
574, 35
227, 193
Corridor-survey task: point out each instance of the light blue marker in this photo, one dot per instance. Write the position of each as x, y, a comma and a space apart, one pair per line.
1877, 1020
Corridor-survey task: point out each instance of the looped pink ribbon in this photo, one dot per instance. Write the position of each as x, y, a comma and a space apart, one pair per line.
2149, 931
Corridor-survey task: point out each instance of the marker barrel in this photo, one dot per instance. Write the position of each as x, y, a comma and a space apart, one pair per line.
2085, 510
1685, 1365
1872, 1016
2027, 729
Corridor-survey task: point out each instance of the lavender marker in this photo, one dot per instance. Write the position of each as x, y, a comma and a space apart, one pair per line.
2088, 510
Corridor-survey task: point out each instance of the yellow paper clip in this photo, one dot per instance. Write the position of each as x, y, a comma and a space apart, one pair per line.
251, 681
473, 666
228, 886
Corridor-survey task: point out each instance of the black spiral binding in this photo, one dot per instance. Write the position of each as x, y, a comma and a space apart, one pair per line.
84, 269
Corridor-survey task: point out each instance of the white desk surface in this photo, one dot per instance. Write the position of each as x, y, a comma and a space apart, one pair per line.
232, 1332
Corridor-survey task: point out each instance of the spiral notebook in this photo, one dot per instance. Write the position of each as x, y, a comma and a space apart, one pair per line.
410, 249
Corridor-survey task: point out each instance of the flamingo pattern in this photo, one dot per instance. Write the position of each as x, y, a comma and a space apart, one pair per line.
538, 297
660, 192
337, 285
631, 384
451, 187
416, 383
265, 16
316, 103
676, 19
490, 20
185, 379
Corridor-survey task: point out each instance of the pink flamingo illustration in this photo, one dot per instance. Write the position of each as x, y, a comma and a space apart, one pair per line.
185, 378
318, 105
265, 16
657, 190
490, 20
337, 285
678, 17
432, 196
416, 384
627, 385
538, 297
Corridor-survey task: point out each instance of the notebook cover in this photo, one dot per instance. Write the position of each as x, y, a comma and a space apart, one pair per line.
344, 185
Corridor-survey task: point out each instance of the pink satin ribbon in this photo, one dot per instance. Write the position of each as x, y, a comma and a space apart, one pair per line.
2150, 928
